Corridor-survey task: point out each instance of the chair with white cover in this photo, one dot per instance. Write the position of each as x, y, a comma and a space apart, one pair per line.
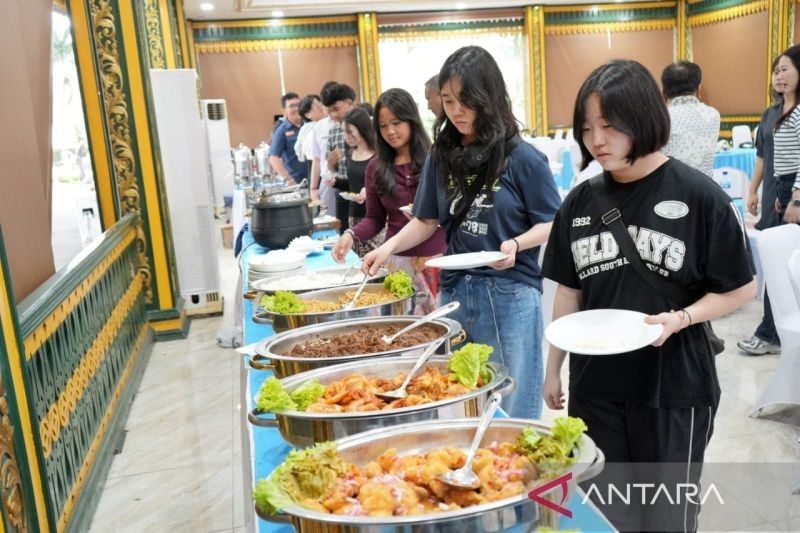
741, 134
776, 246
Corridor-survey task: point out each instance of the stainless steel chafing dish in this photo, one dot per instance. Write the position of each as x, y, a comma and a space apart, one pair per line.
287, 365
337, 271
399, 306
518, 512
303, 429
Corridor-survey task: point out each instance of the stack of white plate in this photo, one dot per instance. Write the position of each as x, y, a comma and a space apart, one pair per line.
275, 263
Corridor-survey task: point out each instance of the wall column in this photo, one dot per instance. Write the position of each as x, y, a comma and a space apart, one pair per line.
682, 32
537, 97
370, 65
113, 65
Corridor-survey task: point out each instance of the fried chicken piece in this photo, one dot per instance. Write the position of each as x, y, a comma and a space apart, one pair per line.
387, 496
323, 407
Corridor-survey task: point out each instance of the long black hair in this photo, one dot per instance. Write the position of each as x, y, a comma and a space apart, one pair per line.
402, 106
631, 103
483, 89
793, 53
361, 121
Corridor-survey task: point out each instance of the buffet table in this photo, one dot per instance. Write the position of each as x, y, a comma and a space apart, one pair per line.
263, 448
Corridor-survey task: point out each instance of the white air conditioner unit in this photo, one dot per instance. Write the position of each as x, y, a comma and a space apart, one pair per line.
184, 158
218, 139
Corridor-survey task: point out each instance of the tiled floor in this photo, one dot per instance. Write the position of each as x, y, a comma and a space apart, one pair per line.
180, 468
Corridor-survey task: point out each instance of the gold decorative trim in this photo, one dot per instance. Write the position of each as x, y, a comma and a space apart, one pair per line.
168, 325
119, 125
80, 479
537, 83
192, 47
434, 35
155, 39
275, 44
370, 69
610, 7
635, 25
17, 379
740, 118
11, 487
728, 13
261, 23
60, 410
182, 37
48, 327
681, 28
166, 33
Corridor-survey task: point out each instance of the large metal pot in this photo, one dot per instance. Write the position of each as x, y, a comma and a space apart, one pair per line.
278, 218
301, 429
399, 306
272, 348
518, 511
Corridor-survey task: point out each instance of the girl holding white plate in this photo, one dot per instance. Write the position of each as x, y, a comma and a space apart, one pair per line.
490, 192
392, 178
655, 404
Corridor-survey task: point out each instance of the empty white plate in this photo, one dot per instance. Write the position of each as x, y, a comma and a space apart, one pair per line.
469, 260
602, 332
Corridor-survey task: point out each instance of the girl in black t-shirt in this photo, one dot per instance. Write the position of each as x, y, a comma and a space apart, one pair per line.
656, 404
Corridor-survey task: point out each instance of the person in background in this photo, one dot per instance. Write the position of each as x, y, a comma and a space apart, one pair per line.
311, 111
433, 97
366, 106
694, 126
360, 138
282, 156
765, 340
786, 140
655, 404
320, 190
489, 191
339, 99
392, 181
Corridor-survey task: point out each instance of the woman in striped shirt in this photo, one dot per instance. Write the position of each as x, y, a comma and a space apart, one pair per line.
787, 136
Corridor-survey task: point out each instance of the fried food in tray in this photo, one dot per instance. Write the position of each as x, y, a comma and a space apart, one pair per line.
357, 392
366, 299
364, 340
396, 486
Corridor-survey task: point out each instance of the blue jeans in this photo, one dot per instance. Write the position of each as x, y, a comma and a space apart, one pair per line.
507, 315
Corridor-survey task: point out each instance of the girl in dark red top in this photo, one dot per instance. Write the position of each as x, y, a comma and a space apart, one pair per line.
391, 182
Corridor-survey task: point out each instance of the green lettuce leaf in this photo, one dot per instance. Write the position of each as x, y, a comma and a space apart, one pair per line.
470, 362
273, 397
552, 453
307, 393
283, 303
399, 283
567, 430
305, 474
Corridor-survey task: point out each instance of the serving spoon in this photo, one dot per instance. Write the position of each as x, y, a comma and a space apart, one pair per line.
400, 392
436, 313
464, 477
352, 303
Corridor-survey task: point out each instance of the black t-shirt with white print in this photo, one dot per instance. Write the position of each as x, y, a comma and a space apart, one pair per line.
685, 229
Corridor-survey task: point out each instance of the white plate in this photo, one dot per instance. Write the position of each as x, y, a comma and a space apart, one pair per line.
461, 261
349, 196
602, 332
330, 241
406, 209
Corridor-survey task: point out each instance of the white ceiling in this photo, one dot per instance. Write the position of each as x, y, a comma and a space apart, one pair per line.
245, 9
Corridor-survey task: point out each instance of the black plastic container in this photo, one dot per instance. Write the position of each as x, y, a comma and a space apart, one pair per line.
276, 221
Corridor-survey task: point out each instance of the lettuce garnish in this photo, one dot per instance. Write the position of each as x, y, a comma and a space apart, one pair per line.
399, 283
470, 363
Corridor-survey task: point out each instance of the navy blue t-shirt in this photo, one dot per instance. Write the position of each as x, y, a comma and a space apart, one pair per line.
525, 194
283, 141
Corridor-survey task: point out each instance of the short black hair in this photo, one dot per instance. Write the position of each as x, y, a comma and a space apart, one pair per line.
305, 105
337, 93
288, 96
681, 79
366, 106
327, 84
433, 83
631, 103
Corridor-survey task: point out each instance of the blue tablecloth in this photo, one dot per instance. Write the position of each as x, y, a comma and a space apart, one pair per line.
742, 158
268, 449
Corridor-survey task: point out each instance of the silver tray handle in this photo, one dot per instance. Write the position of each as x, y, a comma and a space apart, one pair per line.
593, 469
259, 362
253, 418
510, 386
280, 518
